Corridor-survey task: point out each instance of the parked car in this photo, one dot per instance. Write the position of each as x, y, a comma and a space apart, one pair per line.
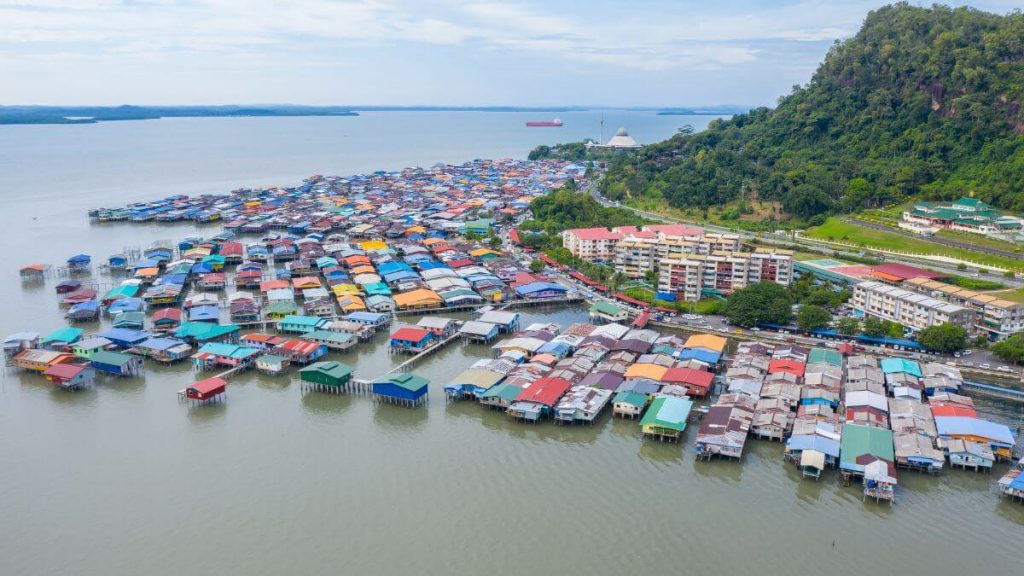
984, 366
1003, 368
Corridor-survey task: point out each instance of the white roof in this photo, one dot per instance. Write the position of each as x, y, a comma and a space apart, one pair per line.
867, 398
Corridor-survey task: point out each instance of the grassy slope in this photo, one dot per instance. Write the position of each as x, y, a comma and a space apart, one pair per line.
840, 231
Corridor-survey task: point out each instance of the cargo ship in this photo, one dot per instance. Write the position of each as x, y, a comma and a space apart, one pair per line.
556, 123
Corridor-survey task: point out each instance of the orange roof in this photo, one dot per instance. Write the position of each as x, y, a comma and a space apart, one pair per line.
652, 371
416, 297
709, 341
306, 282
886, 276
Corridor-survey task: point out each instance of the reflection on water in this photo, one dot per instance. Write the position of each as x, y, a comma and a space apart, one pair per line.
326, 404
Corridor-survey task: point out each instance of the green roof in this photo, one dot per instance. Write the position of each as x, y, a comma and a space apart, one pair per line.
271, 358
832, 357
228, 350
302, 320
409, 381
329, 372
66, 334
602, 307
281, 307
329, 336
859, 440
507, 392
108, 357
668, 412
123, 291
203, 330
634, 398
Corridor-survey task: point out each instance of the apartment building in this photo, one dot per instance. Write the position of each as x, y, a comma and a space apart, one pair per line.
592, 243
995, 317
693, 276
913, 310
636, 255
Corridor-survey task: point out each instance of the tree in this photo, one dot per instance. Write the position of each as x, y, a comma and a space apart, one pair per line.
616, 280
759, 303
537, 266
811, 317
945, 337
1011, 349
874, 327
893, 329
848, 326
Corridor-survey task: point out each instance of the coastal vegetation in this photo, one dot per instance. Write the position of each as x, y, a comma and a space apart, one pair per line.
1011, 349
921, 102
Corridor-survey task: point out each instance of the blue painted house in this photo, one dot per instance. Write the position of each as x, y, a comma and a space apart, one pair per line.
405, 388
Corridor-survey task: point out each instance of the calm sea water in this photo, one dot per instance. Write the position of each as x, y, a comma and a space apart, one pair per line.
122, 479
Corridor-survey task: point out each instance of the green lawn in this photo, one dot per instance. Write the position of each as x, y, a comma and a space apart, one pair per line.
840, 231
1011, 295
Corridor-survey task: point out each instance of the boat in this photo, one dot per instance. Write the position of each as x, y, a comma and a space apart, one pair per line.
556, 123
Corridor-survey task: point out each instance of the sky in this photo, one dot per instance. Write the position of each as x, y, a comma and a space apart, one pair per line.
410, 52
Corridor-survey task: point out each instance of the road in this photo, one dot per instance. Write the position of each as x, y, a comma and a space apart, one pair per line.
787, 241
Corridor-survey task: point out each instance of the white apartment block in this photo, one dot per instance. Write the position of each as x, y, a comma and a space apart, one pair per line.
693, 276
592, 243
995, 317
637, 255
913, 310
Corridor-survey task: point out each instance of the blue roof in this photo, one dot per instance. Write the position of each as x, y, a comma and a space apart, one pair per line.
125, 305
88, 306
814, 442
539, 286
963, 426
365, 316
204, 313
79, 259
123, 335
1018, 482
699, 354
162, 343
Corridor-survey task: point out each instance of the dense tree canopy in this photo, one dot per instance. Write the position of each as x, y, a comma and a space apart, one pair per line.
757, 303
920, 101
812, 317
1011, 349
945, 338
564, 209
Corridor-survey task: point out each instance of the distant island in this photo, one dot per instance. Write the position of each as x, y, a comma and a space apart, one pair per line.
724, 110
94, 114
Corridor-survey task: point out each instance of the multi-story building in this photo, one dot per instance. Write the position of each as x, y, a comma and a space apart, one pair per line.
913, 310
638, 254
693, 276
592, 243
995, 317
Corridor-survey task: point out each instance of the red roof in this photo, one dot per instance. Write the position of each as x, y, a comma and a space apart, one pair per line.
950, 409
298, 345
206, 388
903, 271
545, 391
460, 263
232, 249
630, 299
410, 334
595, 234
64, 371
169, 314
273, 285
786, 365
513, 235
688, 376
675, 229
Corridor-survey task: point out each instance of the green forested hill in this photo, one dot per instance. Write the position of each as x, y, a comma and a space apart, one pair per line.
921, 101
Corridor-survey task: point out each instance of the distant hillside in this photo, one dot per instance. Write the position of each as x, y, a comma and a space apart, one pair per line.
921, 101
